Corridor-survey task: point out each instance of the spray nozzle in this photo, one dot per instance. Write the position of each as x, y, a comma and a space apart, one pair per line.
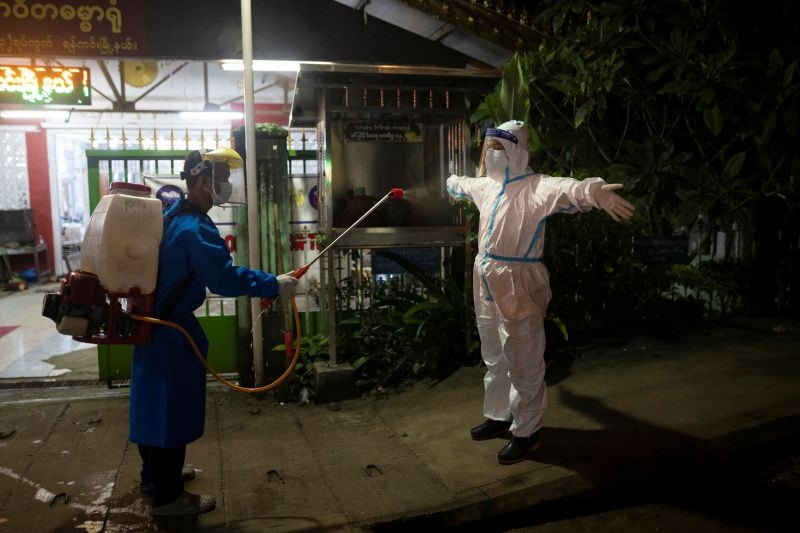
397, 193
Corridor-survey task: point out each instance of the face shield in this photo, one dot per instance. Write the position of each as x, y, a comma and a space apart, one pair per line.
505, 147
227, 177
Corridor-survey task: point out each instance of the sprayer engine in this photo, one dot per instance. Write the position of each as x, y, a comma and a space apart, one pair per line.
85, 310
117, 279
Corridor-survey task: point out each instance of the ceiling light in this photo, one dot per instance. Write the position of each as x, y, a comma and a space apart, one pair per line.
211, 115
27, 128
33, 113
263, 66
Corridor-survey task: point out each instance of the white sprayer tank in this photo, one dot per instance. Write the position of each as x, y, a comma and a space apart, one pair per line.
121, 243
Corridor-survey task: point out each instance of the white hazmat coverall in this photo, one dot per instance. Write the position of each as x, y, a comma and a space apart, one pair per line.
511, 283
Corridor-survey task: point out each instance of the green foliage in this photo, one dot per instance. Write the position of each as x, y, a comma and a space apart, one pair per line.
596, 283
693, 110
713, 284
411, 333
693, 106
313, 348
271, 128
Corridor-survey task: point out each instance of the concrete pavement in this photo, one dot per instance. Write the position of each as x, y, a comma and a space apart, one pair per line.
405, 460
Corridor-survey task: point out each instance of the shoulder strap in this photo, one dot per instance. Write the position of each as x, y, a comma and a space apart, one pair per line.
177, 292
184, 208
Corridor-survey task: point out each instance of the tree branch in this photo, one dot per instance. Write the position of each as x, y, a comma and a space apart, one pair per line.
599, 148
557, 109
624, 130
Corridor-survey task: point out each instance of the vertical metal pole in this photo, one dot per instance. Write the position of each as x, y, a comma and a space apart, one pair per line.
330, 289
252, 196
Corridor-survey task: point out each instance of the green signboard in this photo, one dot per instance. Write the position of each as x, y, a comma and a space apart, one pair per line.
30, 84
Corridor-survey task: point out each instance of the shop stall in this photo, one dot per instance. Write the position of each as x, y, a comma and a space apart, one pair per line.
378, 128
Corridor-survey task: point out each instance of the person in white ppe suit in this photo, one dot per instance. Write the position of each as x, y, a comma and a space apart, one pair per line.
511, 283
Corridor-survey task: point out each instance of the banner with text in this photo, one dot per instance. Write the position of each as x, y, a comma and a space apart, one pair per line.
81, 28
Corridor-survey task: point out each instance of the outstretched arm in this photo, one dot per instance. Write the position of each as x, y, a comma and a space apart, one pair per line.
567, 195
461, 187
213, 263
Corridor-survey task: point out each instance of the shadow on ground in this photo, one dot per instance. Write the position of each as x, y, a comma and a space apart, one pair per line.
737, 481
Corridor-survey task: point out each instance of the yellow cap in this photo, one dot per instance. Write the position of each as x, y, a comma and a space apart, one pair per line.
226, 155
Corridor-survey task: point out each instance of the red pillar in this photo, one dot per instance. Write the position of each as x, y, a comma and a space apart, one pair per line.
39, 188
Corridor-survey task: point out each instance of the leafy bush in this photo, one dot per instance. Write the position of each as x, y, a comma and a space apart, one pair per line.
411, 333
313, 348
694, 107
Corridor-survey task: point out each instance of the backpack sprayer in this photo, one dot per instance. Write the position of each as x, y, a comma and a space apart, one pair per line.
95, 306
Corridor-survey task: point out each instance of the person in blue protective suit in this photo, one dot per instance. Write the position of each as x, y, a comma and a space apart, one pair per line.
511, 287
168, 384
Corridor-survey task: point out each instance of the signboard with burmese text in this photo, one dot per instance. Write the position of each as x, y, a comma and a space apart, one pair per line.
80, 28
24, 84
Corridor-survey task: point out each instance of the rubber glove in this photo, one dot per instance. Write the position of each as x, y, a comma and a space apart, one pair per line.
286, 285
613, 204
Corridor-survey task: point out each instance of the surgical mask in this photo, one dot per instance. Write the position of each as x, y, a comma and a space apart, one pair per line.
496, 162
221, 192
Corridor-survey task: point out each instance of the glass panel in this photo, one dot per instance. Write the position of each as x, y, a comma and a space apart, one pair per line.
73, 193
103, 169
296, 167
229, 306
311, 139
135, 171
118, 170
13, 171
164, 167
311, 167
149, 167
214, 306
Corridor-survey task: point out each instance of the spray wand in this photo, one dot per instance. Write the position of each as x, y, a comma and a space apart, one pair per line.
299, 272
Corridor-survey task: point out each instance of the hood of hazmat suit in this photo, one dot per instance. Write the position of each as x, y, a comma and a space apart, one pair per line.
513, 137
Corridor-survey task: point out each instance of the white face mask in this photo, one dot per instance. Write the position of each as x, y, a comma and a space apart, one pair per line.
496, 162
221, 192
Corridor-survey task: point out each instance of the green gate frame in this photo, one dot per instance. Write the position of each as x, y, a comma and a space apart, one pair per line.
114, 361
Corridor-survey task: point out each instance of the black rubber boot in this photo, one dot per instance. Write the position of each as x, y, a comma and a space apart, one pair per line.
518, 449
490, 429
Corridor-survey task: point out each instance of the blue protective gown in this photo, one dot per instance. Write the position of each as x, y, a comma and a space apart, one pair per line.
168, 383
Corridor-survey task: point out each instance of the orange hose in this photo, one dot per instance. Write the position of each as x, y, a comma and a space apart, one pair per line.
219, 378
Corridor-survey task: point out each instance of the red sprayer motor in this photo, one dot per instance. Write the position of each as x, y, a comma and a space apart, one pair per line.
119, 265
85, 310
